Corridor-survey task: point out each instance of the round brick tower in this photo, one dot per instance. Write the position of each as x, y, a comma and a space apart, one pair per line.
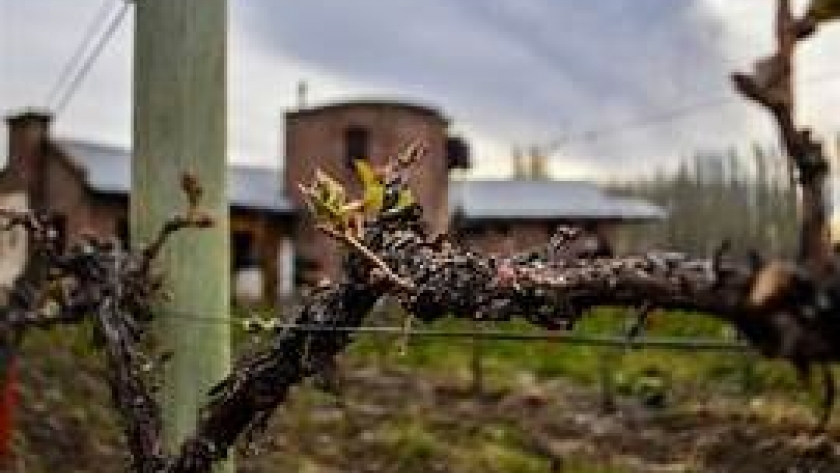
330, 137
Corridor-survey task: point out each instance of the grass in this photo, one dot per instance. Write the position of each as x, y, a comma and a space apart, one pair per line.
410, 439
504, 362
415, 445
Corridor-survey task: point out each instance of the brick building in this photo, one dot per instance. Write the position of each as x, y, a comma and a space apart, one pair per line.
88, 185
333, 136
509, 215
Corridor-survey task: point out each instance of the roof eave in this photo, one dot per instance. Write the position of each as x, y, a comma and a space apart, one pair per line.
536, 218
276, 211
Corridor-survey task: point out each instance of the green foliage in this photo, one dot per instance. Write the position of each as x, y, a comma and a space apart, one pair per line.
327, 200
825, 10
632, 369
332, 209
373, 189
503, 458
412, 443
412, 430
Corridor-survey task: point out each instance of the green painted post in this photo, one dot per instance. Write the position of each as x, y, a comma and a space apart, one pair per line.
180, 125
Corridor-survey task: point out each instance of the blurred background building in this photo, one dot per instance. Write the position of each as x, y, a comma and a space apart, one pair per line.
275, 247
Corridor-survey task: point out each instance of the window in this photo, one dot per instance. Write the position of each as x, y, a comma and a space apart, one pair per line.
356, 143
243, 253
457, 153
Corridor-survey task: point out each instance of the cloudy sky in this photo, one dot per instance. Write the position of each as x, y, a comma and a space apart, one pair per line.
621, 86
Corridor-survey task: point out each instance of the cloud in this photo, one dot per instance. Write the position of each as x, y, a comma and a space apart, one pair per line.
37, 38
523, 71
625, 85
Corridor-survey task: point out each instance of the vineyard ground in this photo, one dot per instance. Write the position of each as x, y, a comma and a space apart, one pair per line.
541, 410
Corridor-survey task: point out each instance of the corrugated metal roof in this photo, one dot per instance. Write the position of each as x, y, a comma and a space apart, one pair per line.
543, 199
108, 169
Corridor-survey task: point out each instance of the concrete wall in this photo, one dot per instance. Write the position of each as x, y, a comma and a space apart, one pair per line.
12, 242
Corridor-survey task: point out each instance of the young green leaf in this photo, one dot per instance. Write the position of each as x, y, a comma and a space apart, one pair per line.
373, 189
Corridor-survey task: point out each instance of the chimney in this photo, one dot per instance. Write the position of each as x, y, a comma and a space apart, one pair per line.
518, 160
28, 132
302, 90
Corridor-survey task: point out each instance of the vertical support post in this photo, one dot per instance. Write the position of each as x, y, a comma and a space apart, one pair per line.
477, 367
606, 379
180, 125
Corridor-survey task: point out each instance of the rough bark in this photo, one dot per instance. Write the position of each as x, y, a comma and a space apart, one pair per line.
771, 84
549, 291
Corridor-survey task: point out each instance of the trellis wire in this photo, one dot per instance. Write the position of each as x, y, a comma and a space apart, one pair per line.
256, 324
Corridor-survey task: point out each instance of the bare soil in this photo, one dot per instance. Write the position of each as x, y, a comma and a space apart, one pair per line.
390, 420
560, 426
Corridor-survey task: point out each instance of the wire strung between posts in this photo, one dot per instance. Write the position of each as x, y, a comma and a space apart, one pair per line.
257, 324
81, 72
666, 116
667, 343
85, 45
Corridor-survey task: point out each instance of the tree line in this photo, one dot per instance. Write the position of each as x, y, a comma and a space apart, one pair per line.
746, 197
